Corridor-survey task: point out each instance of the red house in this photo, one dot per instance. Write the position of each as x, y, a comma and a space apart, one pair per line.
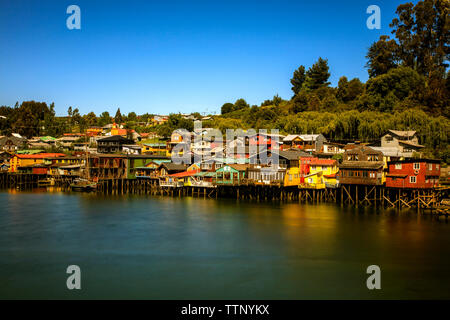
413, 173
263, 140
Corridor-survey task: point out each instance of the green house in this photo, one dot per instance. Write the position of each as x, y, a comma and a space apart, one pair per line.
135, 161
231, 174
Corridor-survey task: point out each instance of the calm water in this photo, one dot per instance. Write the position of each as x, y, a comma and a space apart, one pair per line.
188, 248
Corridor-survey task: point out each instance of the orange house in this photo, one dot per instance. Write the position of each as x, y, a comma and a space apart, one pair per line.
23, 160
116, 131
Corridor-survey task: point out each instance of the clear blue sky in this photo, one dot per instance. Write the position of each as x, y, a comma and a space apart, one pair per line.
176, 56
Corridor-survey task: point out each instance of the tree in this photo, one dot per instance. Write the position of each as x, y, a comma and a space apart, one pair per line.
104, 119
298, 79
423, 34
317, 75
386, 91
132, 116
90, 119
241, 104
31, 118
175, 121
118, 117
382, 56
227, 108
349, 90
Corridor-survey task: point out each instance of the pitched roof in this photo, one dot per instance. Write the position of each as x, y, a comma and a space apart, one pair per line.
290, 137
14, 140
292, 154
404, 134
116, 138
239, 167
39, 155
184, 174
411, 144
170, 166
309, 137
388, 151
361, 165
323, 162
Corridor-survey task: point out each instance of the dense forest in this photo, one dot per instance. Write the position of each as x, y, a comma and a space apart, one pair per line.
408, 88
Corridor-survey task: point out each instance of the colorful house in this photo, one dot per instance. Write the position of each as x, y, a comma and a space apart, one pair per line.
180, 139
407, 142
231, 174
413, 173
305, 142
290, 161
322, 174
168, 168
149, 170
362, 165
117, 131
266, 175
108, 166
94, 131
24, 160
154, 148
140, 161
266, 141
292, 141
180, 179
166, 171
202, 179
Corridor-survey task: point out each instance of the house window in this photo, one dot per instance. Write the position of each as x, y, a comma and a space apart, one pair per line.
372, 157
412, 179
430, 166
398, 166
416, 166
372, 175
389, 138
365, 174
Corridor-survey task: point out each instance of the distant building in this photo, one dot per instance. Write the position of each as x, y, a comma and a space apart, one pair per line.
94, 131
305, 142
131, 149
112, 144
116, 130
332, 148
406, 142
11, 144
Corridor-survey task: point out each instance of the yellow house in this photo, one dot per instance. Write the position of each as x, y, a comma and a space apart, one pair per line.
154, 148
292, 177
24, 160
177, 139
94, 131
194, 167
117, 131
322, 174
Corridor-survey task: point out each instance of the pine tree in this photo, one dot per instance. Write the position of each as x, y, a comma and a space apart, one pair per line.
298, 79
318, 74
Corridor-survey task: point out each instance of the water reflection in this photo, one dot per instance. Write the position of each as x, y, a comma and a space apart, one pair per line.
159, 247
